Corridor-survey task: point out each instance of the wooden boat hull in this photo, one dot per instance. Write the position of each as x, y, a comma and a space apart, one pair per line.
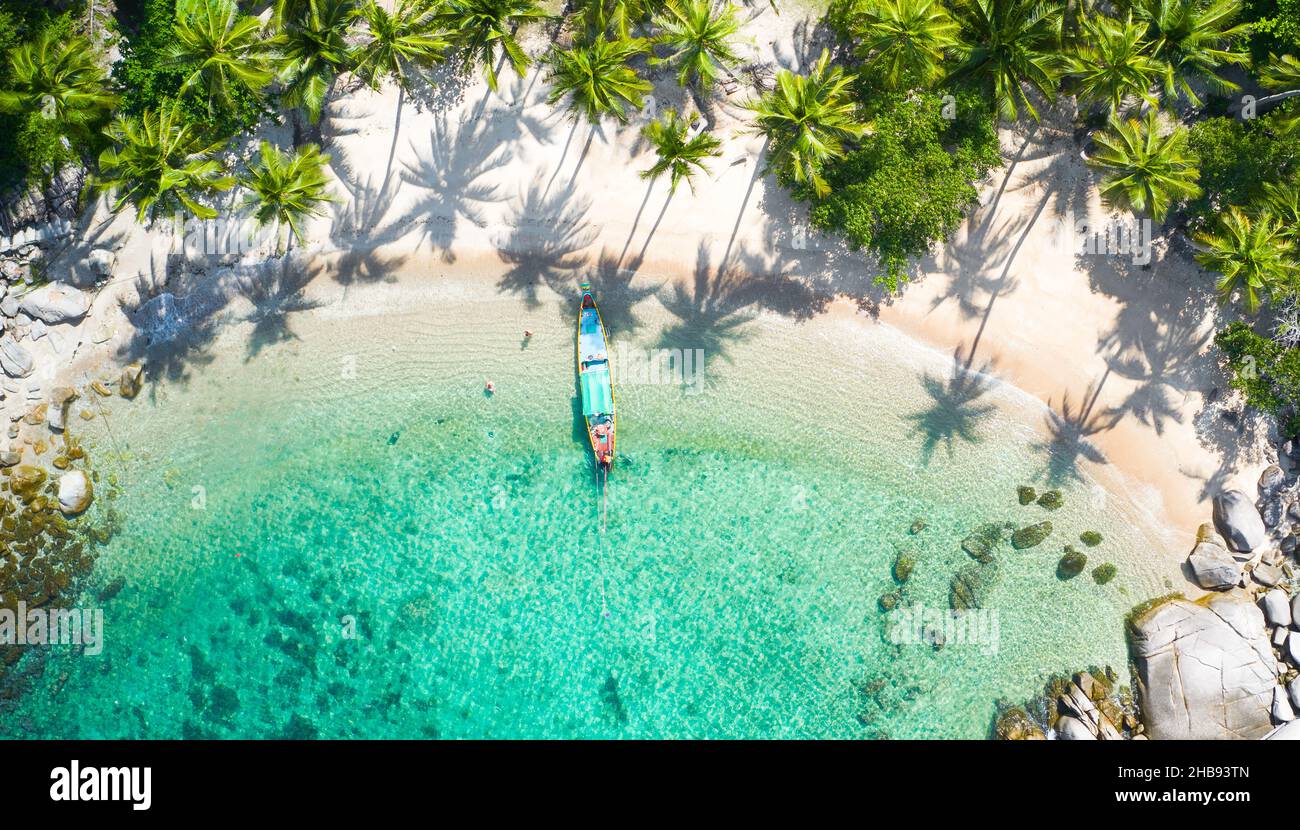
595, 381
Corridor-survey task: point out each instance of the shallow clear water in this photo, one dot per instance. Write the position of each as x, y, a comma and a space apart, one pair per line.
311, 550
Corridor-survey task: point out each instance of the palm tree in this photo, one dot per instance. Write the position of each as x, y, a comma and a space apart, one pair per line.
1146, 171
1194, 38
315, 50
615, 17
1110, 61
220, 47
1281, 73
806, 118
161, 162
697, 37
679, 155
903, 41
61, 78
287, 188
1007, 44
1282, 200
478, 27
397, 39
596, 79
1251, 254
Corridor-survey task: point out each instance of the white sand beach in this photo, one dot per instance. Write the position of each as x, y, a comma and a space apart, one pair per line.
507, 189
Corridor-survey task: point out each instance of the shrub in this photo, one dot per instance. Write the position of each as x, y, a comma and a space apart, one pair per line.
910, 182
1236, 160
1264, 372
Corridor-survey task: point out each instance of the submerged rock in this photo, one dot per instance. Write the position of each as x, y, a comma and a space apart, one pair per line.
1237, 519
1051, 500
1026, 495
1205, 670
1071, 564
1104, 573
904, 564
1015, 725
131, 381
1031, 536
971, 586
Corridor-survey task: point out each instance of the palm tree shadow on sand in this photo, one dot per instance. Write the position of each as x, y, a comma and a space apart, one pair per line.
546, 242
1069, 434
955, 412
711, 311
275, 293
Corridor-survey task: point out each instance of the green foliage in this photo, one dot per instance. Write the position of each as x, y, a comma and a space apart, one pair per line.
1275, 25
161, 163
698, 38
314, 50
1110, 62
1196, 40
1264, 372
479, 27
806, 119
1253, 256
396, 40
222, 50
1148, 167
595, 79
287, 188
909, 184
902, 42
1006, 45
676, 154
152, 76
1235, 161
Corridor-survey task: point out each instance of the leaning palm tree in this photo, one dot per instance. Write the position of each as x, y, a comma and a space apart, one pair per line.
61, 78
314, 50
1111, 62
680, 154
220, 48
287, 188
903, 41
595, 78
1006, 45
1251, 254
1147, 169
404, 37
698, 39
1194, 39
479, 27
806, 118
161, 162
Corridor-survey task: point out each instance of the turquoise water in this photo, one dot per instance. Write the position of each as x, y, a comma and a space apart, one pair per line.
340, 535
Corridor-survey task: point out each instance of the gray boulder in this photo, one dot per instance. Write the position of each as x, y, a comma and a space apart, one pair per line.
1238, 521
1069, 728
1294, 691
1271, 479
1205, 670
101, 262
55, 303
1276, 608
1293, 648
16, 361
1282, 711
1285, 732
1213, 568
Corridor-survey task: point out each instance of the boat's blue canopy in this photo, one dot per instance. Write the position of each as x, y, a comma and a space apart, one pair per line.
597, 395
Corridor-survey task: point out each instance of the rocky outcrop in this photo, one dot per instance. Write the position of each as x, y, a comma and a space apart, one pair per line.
55, 303
1205, 670
1238, 521
131, 381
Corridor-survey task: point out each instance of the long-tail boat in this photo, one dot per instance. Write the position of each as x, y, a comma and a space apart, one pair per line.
595, 383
